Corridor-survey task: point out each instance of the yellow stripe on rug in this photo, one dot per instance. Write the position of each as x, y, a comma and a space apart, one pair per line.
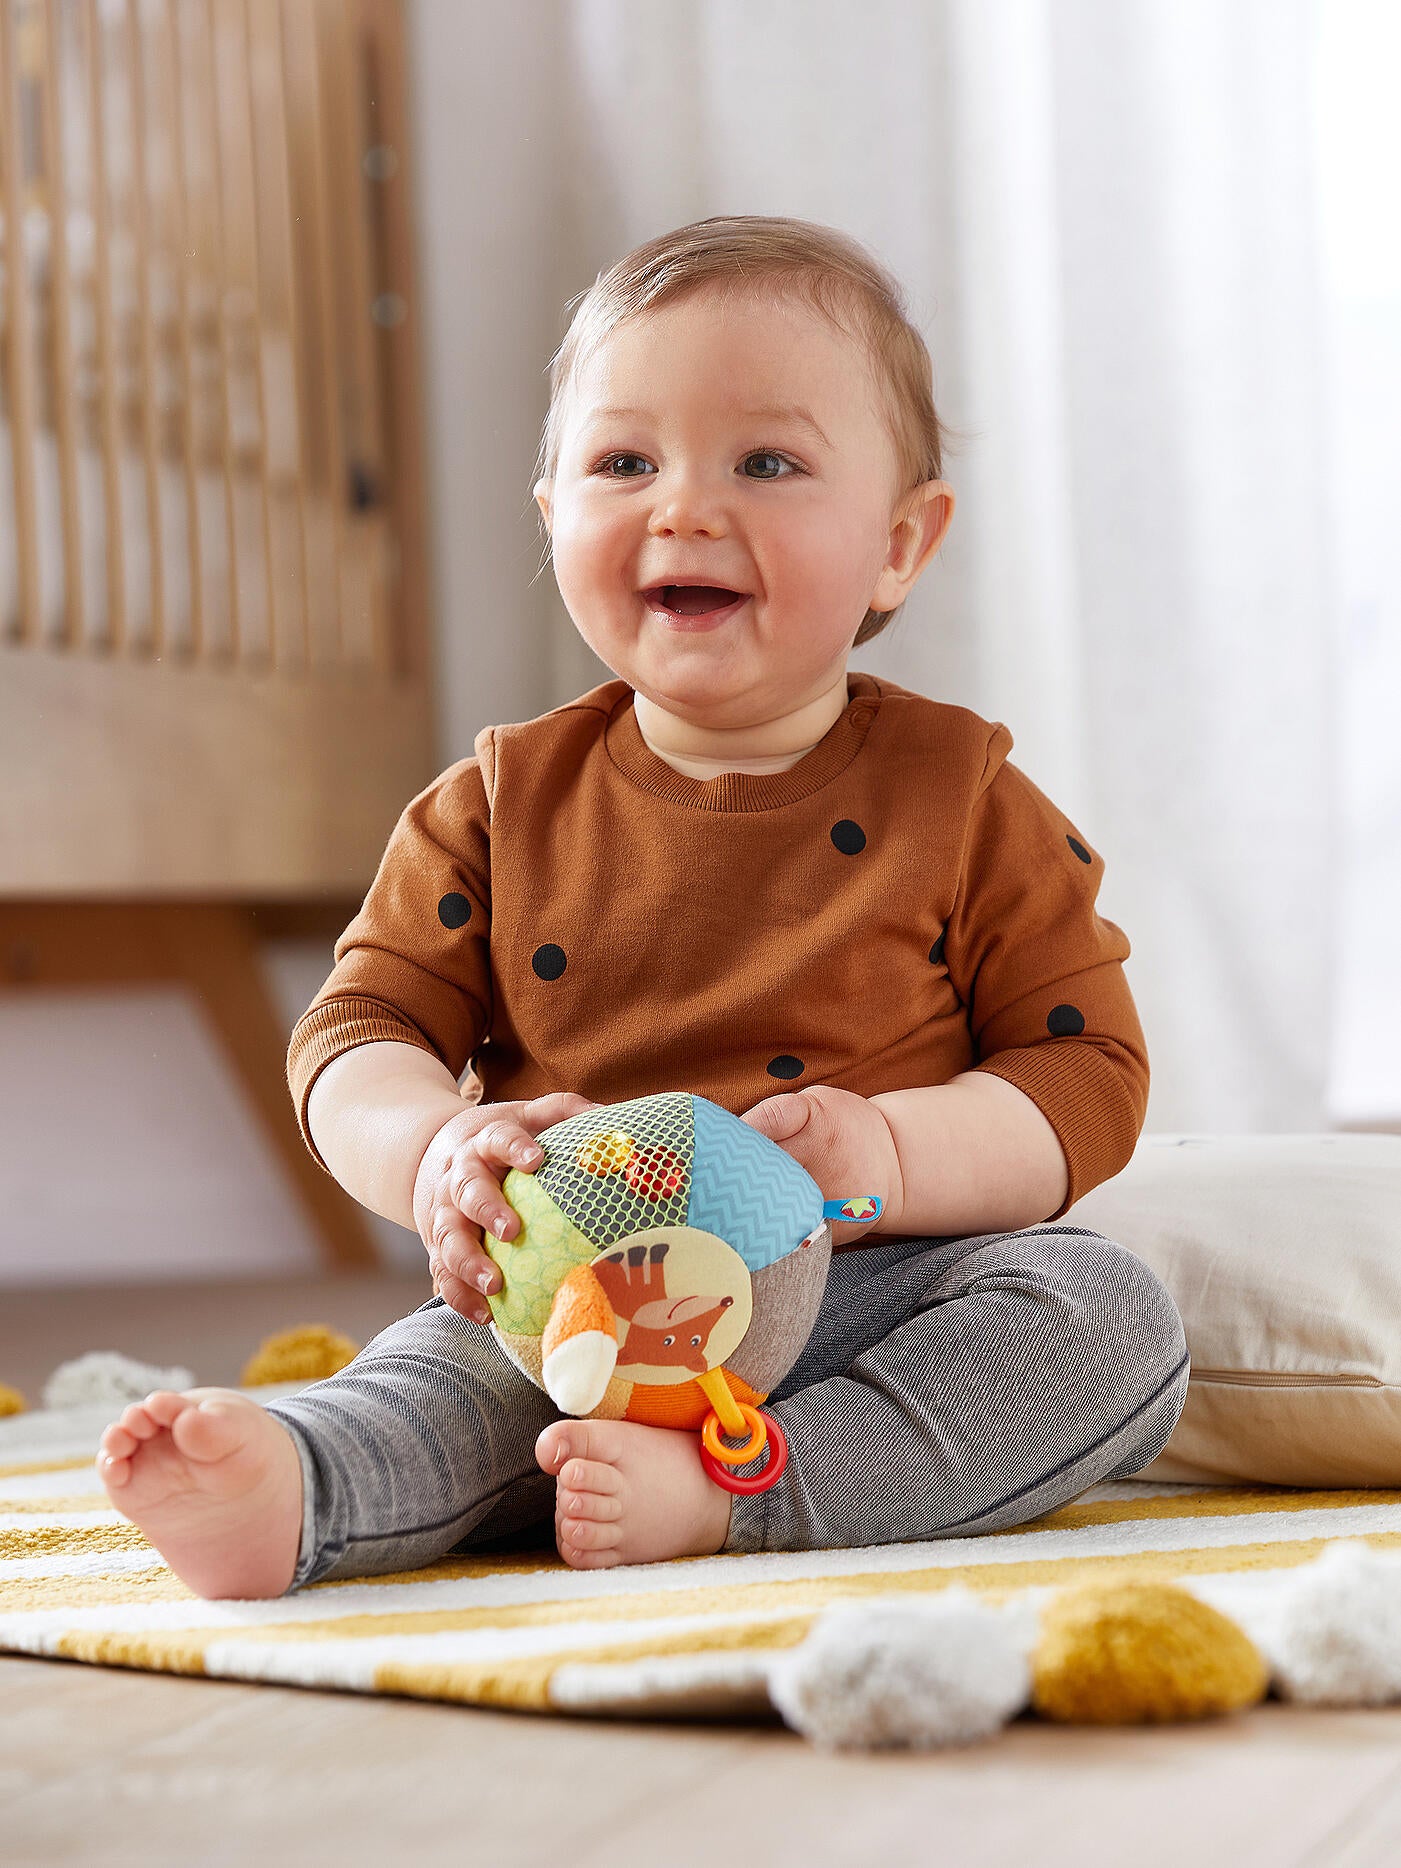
997, 1582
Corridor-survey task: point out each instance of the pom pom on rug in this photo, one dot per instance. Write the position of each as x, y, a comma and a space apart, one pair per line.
108, 1377
308, 1353
895, 1671
11, 1401
1333, 1633
1131, 1653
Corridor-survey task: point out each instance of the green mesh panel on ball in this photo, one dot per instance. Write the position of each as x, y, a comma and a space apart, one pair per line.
533, 1264
651, 1182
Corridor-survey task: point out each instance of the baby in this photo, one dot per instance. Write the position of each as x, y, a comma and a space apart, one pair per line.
826, 902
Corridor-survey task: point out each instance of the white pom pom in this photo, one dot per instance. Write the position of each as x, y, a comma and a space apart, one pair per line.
110, 1378
898, 1671
1334, 1638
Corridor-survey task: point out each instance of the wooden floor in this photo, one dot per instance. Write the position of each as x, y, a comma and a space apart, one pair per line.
104, 1766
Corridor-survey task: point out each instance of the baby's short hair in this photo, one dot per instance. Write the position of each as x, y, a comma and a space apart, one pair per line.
737, 253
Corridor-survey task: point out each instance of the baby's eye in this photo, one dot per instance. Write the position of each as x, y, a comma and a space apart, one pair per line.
604, 465
695, 1342
667, 1341
767, 454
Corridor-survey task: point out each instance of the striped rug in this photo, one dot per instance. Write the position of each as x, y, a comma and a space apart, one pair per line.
78, 1582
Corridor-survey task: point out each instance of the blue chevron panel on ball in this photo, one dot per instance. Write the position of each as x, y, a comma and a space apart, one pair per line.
746, 1190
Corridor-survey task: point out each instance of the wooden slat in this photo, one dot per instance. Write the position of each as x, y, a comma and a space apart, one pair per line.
279, 348
169, 272
364, 471
19, 335
166, 50
246, 175
410, 650
321, 404
136, 83
363, 100
252, 553
118, 627
61, 303
199, 22
76, 133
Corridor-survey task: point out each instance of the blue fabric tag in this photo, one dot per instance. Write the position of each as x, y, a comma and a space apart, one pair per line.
858, 1210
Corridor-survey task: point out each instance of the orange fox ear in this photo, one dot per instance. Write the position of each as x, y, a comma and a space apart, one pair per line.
579, 1346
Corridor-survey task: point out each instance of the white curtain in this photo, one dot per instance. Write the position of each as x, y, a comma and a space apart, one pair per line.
1112, 220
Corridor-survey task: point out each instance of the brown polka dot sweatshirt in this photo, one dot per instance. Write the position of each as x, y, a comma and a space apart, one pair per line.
900, 906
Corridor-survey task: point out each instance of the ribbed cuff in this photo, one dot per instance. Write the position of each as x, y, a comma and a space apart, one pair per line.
328, 1030
749, 1514
1085, 1100
749, 1511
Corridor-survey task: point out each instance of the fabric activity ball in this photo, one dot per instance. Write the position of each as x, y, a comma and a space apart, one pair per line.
668, 1268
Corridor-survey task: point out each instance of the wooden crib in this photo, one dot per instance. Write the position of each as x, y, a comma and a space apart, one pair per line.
214, 666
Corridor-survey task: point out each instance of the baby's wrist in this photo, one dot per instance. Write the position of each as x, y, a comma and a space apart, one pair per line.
435, 1137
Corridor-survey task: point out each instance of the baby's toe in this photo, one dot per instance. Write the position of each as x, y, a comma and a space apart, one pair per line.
590, 1475
577, 1439
585, 1535
582, 1497
213, 1428
117, 1443
139, 1423
590, 1559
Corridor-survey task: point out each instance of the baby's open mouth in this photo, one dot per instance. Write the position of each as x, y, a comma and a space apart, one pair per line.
692, 599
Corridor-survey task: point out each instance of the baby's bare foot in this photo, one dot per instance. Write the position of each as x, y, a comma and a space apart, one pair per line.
214, 1482
626, 1493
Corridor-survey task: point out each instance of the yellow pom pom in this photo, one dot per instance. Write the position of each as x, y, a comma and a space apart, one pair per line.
306, 1354
1130, 1653
12, 1401
608, 1153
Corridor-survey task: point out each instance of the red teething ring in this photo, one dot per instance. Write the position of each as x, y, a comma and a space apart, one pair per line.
772, 1472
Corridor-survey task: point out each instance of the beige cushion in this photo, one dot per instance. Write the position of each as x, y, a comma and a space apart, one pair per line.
1283, 1254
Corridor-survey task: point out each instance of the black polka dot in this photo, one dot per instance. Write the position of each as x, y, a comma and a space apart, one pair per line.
785, 1067
454, 911
936, 952
1065, 1021
549, 961
849, 838
1080, 849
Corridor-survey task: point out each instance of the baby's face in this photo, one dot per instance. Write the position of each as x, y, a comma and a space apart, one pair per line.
697, 486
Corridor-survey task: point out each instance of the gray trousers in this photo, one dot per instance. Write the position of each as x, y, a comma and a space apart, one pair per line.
950, 1386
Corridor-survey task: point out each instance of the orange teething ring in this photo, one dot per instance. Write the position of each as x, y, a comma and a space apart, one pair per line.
735, 1456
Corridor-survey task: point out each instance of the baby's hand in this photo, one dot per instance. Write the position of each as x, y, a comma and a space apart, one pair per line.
845, 1143
457, 1193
